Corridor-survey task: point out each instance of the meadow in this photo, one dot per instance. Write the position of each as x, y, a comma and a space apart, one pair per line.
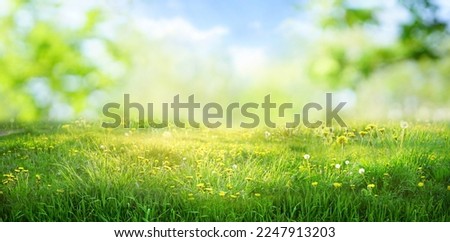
366, 172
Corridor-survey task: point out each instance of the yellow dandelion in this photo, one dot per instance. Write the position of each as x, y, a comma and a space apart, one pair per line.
362, 133
249, 179
189, 177
257, 195
337, 185
342, 140
370, 186
222, 193
420, 184
233, 196
190, 194
448, 188
314, 184
371, 126
201, 185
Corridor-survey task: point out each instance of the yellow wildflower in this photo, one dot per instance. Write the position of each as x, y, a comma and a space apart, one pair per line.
370, 186
342, 140
337, 185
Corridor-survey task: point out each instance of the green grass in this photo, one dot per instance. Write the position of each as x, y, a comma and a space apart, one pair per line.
78, 172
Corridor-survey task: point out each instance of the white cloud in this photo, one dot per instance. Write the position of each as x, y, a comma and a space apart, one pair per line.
297, 27
248, 61
178, 29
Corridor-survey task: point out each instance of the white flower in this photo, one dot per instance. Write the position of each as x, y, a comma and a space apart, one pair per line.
361, 171
306, 156
337, 166
404, 124
167, 134
267, 134
102, 147
234, 166
347, 162
127, 134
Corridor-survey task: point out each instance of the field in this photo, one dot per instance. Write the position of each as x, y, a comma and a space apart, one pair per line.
368, 172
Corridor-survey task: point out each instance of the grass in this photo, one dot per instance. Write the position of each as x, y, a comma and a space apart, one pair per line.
77, 172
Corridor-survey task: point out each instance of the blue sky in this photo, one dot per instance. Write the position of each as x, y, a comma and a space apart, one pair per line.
248, 22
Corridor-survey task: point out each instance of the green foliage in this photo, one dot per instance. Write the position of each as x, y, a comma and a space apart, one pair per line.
421, 39
40, 49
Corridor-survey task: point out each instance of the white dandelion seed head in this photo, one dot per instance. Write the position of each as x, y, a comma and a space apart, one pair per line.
267, 134
361, 171
404, 124
337, 166
102, 147
234, 166
306, 156
347, 162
